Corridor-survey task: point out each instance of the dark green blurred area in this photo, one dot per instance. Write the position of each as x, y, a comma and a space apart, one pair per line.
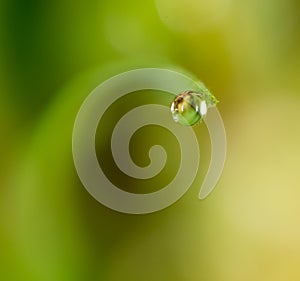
53, 53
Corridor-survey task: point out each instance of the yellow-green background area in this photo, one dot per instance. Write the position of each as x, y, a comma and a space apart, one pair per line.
53, 53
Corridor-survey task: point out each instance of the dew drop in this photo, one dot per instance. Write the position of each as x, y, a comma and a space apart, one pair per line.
189, 107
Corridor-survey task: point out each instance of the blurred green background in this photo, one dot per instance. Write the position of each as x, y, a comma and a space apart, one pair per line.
53, 53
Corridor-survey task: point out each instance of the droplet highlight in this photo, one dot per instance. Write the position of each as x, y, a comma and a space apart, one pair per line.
189, 107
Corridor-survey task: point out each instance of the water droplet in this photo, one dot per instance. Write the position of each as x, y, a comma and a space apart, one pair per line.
189, 107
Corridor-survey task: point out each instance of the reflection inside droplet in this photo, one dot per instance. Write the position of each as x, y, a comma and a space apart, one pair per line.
189, 107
